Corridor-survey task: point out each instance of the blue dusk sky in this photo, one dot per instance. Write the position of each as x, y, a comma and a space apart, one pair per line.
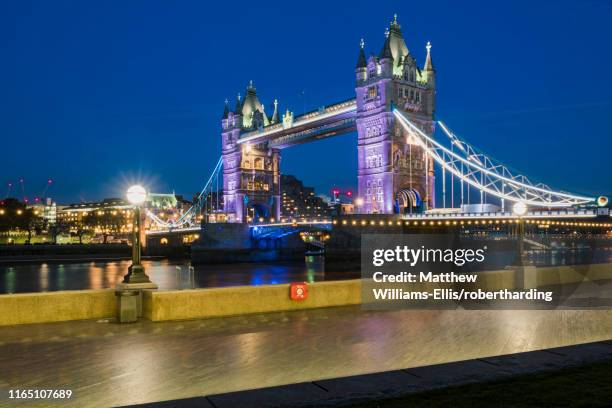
97, 94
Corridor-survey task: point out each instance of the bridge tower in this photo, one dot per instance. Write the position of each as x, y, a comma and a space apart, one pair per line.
251, 177
394, 175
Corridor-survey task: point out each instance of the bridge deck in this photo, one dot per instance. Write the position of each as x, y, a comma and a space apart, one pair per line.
563, 217
328, 121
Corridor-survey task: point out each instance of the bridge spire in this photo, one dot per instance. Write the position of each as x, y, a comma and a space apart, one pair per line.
428, 62
238, 108
275, 114
361, 60
395, 26
386, 50
395, 47
226, 109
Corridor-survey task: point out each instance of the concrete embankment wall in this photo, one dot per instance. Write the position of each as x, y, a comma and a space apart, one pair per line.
47, 307
217, 302
544, 276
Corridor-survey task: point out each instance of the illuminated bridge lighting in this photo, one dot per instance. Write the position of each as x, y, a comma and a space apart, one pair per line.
565, 213
462, 160
177, 230
288, 224
487, 175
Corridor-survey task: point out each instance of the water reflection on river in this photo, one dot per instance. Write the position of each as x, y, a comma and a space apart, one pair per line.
168, 274
175, 274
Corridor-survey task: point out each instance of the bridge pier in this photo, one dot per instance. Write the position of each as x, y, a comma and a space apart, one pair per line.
241, 242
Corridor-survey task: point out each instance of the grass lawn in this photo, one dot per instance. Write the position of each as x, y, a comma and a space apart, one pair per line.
585, 386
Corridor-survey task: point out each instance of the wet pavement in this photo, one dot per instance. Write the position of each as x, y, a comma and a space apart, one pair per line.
106, 364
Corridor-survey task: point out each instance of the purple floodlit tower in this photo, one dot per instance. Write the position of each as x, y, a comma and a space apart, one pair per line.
251, 177
394, 174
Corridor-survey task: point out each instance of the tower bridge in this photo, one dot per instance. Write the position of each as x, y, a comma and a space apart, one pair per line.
389, 163
400, 160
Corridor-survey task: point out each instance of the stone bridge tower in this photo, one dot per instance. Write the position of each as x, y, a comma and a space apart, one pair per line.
251, 177
394, 176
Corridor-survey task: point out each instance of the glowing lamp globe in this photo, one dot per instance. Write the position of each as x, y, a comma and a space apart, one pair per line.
519, 208
602, 201
136, 195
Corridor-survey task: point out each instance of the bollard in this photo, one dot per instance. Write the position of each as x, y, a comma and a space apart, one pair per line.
179, 278
127, 305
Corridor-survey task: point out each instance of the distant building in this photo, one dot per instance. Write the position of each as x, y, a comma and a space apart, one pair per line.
167, 207
300, 201
115, 214
47, 211
345, 208
73, 215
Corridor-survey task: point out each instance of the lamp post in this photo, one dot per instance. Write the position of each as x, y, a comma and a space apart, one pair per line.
136, 276
520, 209
526, 275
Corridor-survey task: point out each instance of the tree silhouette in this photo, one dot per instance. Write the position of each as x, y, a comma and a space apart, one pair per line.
107, 221
15, 216
60, 227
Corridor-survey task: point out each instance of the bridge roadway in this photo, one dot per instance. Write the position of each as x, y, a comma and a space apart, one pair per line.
562, 217
327, 121
106, 364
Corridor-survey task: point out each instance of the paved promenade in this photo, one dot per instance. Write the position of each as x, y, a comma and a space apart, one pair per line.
106, 364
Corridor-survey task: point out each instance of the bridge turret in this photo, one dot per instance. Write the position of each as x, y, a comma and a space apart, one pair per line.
275, 114
231, 119
251, 178
253, 114
231, 153
385, 58
395, 48
389, 166
362, 65
225, 110
238, 107
429, 72
225, 118
428, 76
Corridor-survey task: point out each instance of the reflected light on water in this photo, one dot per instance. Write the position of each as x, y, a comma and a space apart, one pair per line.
95, 276
50, 276
9, 280
60, 278
30, 277
44, 278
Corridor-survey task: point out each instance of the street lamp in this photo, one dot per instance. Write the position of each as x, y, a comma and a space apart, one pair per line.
136, 276
519, 208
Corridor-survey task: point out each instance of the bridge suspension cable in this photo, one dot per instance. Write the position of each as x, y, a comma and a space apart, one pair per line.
189, 217
485, 174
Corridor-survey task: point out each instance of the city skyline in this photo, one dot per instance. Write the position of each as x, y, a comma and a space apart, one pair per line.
153, 115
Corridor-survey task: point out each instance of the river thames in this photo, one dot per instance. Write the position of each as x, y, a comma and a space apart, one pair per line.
168, 274
23, 277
